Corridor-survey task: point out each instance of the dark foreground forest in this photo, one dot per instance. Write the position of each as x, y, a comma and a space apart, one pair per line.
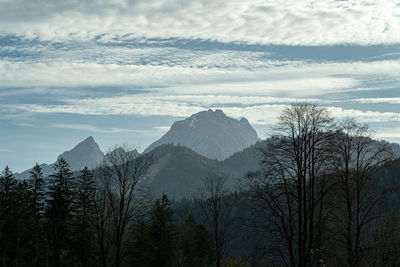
325, 194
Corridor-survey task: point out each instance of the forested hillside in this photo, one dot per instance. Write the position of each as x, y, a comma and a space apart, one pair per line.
316, 194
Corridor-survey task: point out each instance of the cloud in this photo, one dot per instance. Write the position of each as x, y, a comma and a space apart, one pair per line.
91, 128
385, 133
388, 100
288, 22
293, 79
365, 116
147, 105
162, 128
25, 124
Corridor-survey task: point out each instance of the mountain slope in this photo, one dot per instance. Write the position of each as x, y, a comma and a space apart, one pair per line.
211, 134
177, 171
246, 160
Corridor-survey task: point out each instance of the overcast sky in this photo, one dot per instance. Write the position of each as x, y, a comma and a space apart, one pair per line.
124, 71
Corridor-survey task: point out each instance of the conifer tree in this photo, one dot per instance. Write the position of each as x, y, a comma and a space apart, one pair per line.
37, 188
195, 245
142, 246
154, 244
59, 211
20, 233
38, 253
7, 190
83, 205
163, 233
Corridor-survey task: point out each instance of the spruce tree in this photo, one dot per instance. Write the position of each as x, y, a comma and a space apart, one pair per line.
37, 188
59, 211
195, 245
22, 236
142, 247
7, 198
83, 206
163, 233
38, 251
153, 244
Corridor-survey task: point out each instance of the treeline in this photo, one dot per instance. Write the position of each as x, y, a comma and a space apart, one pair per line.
321, 195
326, 194
95, 218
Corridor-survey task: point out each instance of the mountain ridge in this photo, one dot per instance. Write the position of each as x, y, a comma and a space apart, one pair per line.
211, 134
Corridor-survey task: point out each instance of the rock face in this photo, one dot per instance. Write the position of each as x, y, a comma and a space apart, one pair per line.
86, 153
211, 134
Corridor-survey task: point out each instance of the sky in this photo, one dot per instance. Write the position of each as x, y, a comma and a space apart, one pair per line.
123, 71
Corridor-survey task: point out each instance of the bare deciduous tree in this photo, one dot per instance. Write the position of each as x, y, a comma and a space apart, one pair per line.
355, 157
118, 199
216, 204
293, 183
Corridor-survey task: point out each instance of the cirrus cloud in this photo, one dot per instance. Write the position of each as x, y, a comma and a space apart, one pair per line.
280, 22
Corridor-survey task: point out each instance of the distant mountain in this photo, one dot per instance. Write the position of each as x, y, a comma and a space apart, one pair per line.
246, 160
177, 171
211, 134
86, 153
395, 147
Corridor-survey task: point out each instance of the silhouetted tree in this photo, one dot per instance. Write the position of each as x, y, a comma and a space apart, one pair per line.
292, 183
163, 233
216, 205
382, 243
118, 200
195, 245
355, 159
83, 228
7, 205
142, 247
37, 190
59, 211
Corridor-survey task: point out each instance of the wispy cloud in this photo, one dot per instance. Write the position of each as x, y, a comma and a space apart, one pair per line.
91, 128
162, 128
292, 79
393, 132
388, 100
275, 22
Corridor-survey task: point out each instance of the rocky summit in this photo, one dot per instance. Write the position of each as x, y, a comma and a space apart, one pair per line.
211, 134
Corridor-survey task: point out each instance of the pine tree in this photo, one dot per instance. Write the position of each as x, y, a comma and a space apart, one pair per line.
153, 244
83, 206
195, 245
21, 218
7, 190
37, 187
38, 253
163, 233
59, 211
142, 247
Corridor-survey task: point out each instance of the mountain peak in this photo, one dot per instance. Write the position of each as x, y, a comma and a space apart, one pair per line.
89, 139
210, 133
85, 153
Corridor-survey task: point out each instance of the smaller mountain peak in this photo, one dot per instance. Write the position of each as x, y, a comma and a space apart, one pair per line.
86, 153
89, 139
